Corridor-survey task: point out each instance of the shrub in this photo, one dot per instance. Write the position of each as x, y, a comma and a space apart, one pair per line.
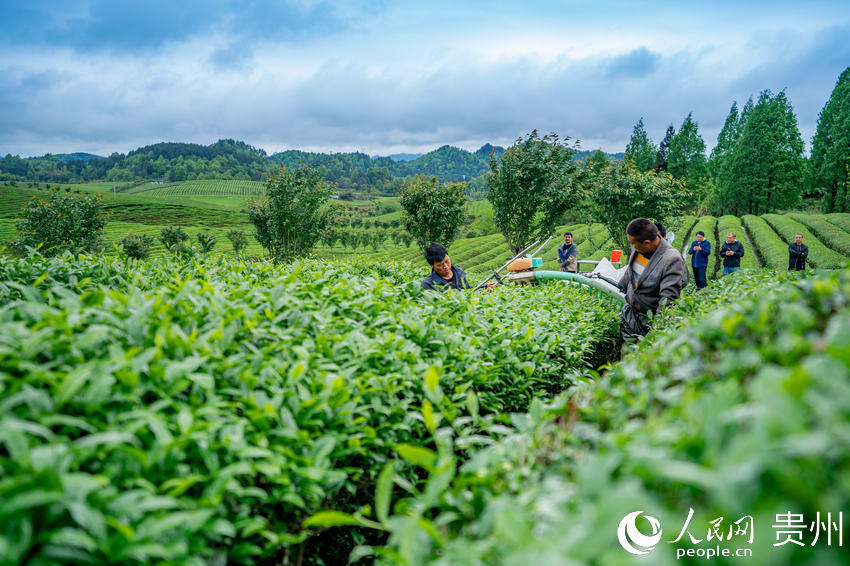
773, 251
198, 411
173, 238
720, 413
62, 222
206, 241
239, 241
136, 246
819, 254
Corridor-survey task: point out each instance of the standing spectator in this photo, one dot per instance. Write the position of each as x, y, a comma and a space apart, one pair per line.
700, 250
731, 252
568, 254
797, 254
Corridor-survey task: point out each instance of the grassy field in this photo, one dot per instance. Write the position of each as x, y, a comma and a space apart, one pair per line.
218, 206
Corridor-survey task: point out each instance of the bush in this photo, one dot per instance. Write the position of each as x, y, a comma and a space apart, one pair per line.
198, 411
773, 251
136, 246
207, 241
173, 238
819, 254
736, 405
239, 241
62, 222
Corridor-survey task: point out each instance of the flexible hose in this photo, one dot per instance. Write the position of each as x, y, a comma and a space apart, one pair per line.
600, 286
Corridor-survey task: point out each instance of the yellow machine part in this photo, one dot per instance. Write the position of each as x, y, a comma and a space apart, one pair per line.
521, 264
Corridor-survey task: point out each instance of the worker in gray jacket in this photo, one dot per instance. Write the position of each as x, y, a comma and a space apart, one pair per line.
655, 275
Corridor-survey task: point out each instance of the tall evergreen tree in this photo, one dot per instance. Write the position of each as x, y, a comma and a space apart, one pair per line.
641, 149
831, 148
686, 157
764, 170
661, 158
725, 139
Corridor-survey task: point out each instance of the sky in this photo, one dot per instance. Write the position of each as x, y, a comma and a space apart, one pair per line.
385, 77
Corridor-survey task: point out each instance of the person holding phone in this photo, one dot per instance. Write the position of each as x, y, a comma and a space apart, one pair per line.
700, 251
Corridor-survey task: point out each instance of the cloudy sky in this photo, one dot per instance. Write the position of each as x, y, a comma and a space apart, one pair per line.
400, 76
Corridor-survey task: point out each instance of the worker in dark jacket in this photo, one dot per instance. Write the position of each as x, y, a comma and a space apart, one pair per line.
654, 276
732, 251
700, 250
568, 254
444, 275
797, 254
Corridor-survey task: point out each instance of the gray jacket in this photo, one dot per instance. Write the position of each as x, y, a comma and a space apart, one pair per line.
660, 283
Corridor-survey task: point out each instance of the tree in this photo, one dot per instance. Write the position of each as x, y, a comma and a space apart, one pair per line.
530, 188
661, 158
62, 222
640, 149
618, 193
686, 157
726, 140
294, 214
764, 170
433, 211
830, 159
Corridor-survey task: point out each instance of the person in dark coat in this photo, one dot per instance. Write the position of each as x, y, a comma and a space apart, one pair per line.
444, 275
732, 251
700, 250
568, 254
797, 254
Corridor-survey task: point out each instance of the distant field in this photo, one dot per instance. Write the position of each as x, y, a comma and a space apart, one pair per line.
219, 206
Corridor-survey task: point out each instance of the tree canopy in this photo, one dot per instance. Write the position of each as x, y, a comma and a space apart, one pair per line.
433, 211
830, 160
529, 187
762, 170
641, 150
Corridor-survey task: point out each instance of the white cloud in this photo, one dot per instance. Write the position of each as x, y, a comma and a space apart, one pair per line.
414, 86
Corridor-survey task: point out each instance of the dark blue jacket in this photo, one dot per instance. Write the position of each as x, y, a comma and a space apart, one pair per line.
457, 282
700, 258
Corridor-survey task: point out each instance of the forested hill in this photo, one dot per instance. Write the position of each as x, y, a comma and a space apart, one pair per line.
230, 159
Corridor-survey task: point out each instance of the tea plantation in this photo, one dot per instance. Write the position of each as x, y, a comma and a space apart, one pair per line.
212, 411
193, 411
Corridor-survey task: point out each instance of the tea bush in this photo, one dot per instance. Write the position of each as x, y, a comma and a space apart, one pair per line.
737, 405
136, 246
773, 251
819, 254
195, 411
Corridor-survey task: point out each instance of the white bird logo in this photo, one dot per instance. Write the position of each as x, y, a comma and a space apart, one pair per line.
628, 534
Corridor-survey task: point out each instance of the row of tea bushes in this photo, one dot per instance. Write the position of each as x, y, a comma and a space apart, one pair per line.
739, 405
192, 411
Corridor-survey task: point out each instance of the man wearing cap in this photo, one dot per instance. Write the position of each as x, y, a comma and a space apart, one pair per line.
655, 275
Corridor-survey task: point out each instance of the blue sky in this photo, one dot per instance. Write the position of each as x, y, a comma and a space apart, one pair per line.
387, 77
